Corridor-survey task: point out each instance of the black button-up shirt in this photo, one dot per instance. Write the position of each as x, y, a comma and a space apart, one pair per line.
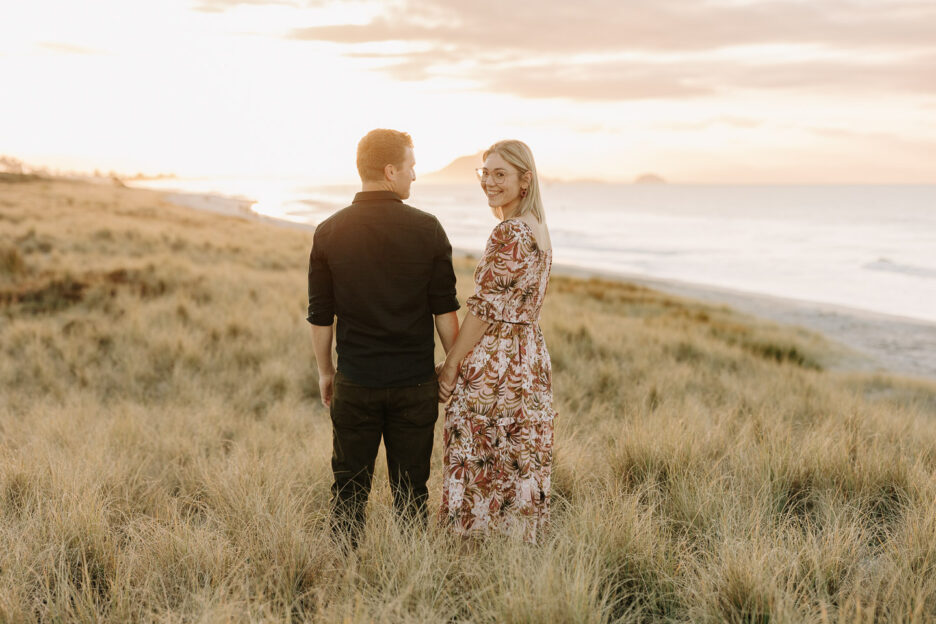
384, 268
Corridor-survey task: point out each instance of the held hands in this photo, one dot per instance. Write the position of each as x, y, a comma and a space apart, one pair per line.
447, 375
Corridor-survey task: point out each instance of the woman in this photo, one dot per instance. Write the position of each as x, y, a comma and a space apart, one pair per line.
498, 432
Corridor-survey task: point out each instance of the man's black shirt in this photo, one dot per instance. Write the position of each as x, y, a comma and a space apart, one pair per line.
384, 268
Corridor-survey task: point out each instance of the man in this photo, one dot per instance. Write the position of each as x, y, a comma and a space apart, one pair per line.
385, 269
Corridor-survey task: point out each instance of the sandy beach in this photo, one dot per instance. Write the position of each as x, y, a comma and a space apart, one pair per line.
875, 342
868, 341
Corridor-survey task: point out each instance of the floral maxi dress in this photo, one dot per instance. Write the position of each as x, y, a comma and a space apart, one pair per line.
498, 434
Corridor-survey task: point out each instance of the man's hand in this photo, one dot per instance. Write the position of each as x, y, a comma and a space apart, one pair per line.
322, 347
447, 376
327, 388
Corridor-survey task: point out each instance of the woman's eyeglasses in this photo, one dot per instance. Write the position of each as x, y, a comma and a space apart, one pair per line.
499, 175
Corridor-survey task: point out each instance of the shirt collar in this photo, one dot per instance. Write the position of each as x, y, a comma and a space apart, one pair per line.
376, 196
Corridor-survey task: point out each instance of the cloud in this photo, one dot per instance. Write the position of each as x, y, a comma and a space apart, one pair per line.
600, 81
618, 80
557, 26
514, 74
913, 75
67, 48
725, 120
219, 6
880, 142
410, 66
675, 49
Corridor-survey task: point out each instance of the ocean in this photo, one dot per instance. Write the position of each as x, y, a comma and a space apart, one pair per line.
871, 248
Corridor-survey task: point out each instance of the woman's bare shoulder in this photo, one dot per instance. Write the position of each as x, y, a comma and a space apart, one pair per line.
539, 230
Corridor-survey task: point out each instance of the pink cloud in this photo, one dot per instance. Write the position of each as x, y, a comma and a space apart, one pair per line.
493, 37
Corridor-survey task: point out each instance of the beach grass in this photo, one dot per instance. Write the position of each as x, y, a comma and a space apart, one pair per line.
164, 455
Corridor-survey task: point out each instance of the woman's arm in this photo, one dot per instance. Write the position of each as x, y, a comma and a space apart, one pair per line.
469, 335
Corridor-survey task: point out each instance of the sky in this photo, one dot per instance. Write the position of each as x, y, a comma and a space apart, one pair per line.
697, 91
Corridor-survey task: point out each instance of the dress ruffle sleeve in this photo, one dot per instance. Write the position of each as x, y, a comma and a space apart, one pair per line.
506, 256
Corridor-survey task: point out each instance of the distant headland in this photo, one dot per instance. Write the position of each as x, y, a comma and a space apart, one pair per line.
459, 171
649, 178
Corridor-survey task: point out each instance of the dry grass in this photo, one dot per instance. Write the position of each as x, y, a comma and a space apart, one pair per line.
163, 456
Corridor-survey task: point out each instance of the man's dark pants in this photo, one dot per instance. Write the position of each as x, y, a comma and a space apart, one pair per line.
405, 418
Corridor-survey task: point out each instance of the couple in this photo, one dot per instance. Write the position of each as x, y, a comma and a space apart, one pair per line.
385, 270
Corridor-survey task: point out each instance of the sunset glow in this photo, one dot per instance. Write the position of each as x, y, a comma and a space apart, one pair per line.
734, 92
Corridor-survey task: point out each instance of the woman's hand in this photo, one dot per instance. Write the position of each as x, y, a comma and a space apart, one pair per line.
447, 375
472, 330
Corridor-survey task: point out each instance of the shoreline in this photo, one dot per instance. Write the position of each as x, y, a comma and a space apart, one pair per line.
872, 342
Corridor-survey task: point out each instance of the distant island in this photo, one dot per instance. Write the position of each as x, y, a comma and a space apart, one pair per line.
649, 178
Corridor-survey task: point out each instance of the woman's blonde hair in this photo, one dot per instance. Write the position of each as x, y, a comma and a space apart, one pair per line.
519, 155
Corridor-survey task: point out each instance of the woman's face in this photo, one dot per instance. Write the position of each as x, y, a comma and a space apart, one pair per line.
501, 183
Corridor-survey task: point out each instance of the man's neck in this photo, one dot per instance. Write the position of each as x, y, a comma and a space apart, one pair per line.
376, 186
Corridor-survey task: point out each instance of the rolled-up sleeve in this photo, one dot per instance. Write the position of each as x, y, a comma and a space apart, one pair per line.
321, 296
442, 294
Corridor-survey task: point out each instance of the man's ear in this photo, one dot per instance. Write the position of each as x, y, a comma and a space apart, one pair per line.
389, 172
